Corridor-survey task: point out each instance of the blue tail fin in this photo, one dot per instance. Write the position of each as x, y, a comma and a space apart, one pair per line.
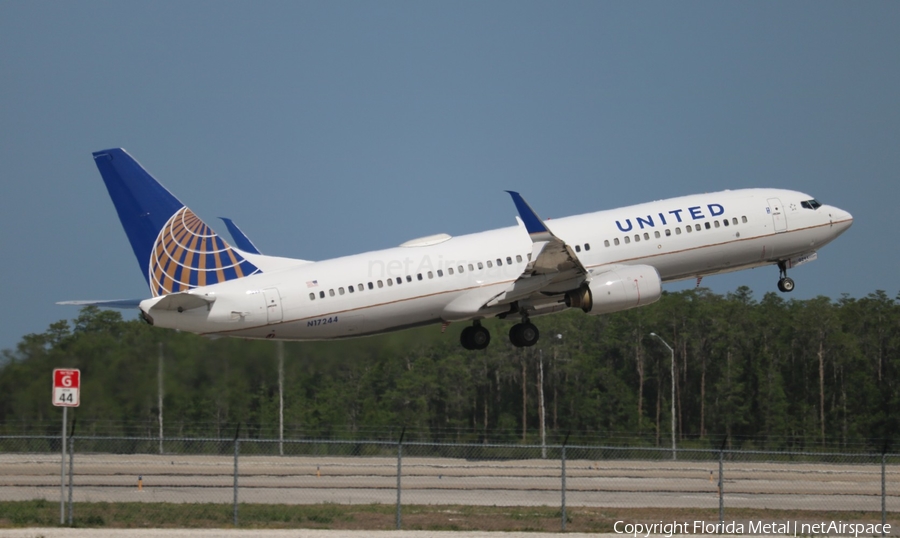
175, 249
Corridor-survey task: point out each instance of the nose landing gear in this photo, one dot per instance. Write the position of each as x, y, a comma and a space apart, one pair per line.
785, 284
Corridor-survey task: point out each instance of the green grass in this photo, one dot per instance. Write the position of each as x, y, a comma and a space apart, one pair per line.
42, 513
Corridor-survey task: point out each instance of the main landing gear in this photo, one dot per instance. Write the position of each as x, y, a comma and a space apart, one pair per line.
524, 334
785, 284
476, 337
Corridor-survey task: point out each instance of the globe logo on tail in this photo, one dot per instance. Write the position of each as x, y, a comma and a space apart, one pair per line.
188, 253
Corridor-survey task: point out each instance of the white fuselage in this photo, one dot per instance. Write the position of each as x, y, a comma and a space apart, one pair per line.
686, 237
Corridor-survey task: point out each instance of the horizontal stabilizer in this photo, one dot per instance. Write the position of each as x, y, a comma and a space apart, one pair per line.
182, 301
115, 303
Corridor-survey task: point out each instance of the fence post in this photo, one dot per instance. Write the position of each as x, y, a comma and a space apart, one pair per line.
62, 471
237, 451
563, 485
883, 493
721, 489
71, 466
399, 470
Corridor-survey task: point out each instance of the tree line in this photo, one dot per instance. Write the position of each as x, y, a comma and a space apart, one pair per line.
769, 373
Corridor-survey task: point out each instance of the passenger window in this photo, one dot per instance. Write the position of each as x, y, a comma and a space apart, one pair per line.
677, 230
472, 267
689, 229
707, 225
577, 248
656, 234
518, 258
440, 272
380, 284
312, 296
716, 223
331, 292
734, 221
480, 266
430, 274
341, 290
360, 287
744, 220
350, 289
409, 278
637, 238
508, 260
668, 232
399, 280
371, 285
419, 276
587, 246
627, 240
390, 282
616, 241
697, 226
725, 222
646, 236
461, 269
489, 264
499, 262
322, 294
606, 242
449, 270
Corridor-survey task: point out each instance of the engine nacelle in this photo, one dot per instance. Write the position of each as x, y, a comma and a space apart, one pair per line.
620, 288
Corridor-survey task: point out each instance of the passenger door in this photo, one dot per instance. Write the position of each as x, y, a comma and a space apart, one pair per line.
777, 211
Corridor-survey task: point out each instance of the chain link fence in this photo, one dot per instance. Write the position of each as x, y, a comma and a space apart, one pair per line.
234, 472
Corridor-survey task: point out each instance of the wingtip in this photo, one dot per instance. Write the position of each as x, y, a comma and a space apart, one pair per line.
533, 223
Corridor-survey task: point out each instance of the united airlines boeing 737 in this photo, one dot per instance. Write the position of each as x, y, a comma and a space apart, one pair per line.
597, 262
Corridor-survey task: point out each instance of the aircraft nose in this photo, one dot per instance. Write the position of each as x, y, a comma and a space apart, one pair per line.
840, 218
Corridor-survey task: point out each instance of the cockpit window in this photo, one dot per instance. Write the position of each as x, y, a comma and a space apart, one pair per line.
811, 204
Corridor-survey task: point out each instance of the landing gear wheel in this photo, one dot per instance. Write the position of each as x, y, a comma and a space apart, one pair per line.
524, 334
475, 337
786, 285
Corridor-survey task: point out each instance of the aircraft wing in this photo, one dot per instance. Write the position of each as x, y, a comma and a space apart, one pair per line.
241, 240
553, 266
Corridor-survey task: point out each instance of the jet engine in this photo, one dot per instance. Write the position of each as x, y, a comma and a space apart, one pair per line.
619, 288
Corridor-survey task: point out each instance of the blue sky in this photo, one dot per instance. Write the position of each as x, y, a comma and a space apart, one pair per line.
330, 128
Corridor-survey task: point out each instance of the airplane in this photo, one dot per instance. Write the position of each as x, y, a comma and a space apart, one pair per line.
600, 262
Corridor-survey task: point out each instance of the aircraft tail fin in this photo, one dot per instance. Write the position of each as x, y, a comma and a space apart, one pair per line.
175, 249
